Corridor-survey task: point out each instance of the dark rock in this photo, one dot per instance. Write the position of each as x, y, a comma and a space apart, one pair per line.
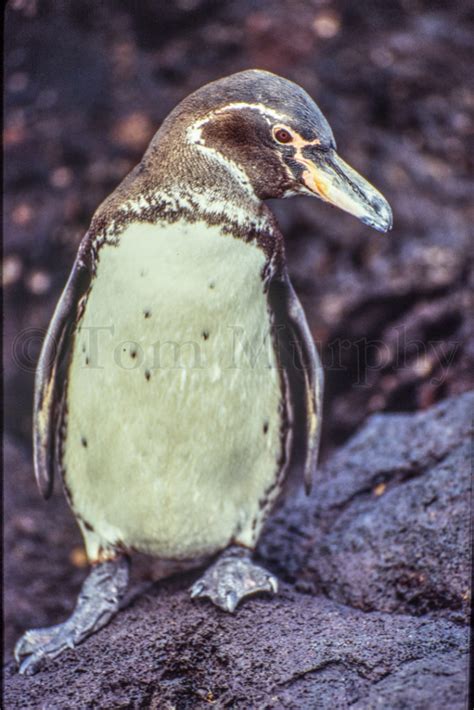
387, 525
294, 651
40, 582
380, 548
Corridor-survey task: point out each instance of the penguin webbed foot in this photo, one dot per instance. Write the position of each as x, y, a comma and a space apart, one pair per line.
231, 578
97, 603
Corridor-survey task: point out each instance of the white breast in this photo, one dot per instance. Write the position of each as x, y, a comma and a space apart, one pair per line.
173, 395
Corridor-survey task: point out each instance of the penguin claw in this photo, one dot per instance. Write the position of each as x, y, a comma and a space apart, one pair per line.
273, 583
197, 589
30, 665
97, 603
29, 643
231, 601
232, 578
17, 654
36, 645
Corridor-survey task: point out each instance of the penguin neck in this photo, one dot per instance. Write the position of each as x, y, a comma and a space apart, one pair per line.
215, 206
202, 181
189, 185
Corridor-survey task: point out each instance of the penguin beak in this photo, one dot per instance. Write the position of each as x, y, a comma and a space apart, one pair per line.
328, 177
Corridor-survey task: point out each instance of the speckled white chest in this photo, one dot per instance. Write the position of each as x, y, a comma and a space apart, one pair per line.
174, 396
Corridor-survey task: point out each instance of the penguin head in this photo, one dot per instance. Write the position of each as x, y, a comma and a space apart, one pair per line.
267, 133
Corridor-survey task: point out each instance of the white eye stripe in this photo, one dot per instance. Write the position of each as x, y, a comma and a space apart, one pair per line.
194, 137
263, 110
193, 133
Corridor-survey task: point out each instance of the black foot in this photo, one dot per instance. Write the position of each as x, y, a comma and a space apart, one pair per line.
233, 577
97, 603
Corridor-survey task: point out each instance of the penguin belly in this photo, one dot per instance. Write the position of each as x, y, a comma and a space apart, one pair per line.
172, 438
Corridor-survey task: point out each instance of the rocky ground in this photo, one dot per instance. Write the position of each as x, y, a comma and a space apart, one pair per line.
373, 611
375, 564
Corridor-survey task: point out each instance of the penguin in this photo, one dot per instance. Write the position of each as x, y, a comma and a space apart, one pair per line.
178, 375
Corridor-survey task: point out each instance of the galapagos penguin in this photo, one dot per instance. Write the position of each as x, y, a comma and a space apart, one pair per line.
165, 395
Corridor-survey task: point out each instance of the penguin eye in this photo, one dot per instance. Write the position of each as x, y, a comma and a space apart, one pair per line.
282, 135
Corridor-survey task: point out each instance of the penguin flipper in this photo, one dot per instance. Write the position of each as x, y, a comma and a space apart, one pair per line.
291, 312
48, 380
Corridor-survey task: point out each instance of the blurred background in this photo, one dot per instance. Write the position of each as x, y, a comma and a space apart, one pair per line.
87, 85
